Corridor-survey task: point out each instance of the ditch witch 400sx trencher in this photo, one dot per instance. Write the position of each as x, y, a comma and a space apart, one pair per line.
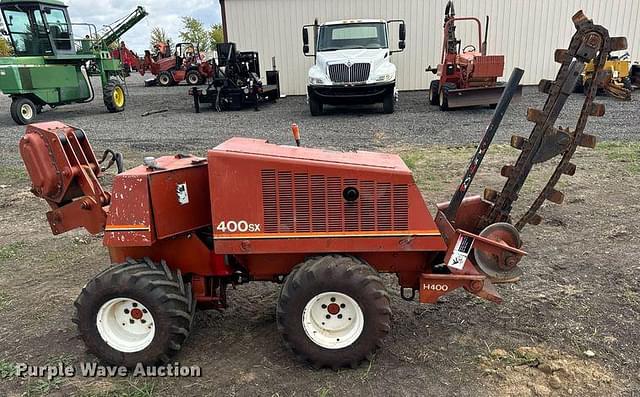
180, 229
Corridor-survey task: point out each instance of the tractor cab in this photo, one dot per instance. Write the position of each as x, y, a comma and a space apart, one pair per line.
38, 28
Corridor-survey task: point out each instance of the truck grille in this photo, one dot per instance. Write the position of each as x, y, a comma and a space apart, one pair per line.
356, 73
299, 202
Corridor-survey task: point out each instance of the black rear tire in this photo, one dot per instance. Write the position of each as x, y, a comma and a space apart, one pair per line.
315, 107
114, 95
23, 110
165, 79
389, 103
158, 289
193, 77
343, 276
433, 92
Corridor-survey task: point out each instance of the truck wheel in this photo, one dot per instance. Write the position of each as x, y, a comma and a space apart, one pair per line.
114, 96
23, 110
388, 104
333, 311
136, 312
165, 79
193, 77
315, 107
433, 92
443, 100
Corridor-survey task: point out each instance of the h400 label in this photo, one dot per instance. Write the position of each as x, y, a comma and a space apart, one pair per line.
435, 287
237, 226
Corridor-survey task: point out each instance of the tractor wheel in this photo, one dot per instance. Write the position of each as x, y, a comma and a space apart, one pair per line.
433, 92
135, 312
193, 77
333, 311
165, 79
389, 103
114, 96
443, 100
23, 110
315, 107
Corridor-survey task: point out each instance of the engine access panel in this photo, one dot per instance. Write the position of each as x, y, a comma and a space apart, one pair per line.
268, 198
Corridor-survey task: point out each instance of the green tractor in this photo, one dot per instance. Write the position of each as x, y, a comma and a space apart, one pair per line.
50, 66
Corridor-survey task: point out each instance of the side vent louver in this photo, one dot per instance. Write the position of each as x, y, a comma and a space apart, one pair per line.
302, 203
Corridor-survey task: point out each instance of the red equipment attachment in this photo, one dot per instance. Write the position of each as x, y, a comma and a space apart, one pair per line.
64, 171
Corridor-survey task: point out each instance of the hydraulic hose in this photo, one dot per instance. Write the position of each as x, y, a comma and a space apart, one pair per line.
83, 70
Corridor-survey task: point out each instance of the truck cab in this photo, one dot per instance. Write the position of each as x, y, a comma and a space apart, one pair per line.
352, 63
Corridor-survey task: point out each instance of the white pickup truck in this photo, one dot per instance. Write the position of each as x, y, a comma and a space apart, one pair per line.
352, 64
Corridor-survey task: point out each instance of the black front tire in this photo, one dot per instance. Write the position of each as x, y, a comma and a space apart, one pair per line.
389, 103
23, 110
114, 96
158, 289
193, 77
443, 97
433, 92
346, 276
315, 107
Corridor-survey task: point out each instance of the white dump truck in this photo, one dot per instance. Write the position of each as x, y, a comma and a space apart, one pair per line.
352, 63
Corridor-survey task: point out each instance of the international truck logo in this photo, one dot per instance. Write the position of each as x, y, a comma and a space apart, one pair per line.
349, 64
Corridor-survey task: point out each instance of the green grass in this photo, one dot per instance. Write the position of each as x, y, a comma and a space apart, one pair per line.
10, 175
5, 301
7, 370
65, 359
627, 153
42, 387
10, 251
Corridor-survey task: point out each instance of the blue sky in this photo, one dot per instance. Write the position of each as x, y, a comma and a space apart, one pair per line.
163, 13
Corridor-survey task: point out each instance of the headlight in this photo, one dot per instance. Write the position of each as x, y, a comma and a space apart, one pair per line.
315, 81
385, 77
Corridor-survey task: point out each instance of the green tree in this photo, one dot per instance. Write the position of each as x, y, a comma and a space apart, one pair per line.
159, 35
194, 32
216, 35
5, 48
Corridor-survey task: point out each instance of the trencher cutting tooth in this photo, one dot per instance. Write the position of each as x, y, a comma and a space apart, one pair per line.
519, 142
555, 196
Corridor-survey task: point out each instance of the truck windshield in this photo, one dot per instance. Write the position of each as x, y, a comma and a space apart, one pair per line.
352, 35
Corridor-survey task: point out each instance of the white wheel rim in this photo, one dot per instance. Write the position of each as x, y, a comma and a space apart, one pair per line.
333, 320
193, 79
164, 80
26, 111
125, 325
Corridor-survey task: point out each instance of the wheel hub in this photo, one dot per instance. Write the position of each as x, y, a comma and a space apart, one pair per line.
333, 320
125, 324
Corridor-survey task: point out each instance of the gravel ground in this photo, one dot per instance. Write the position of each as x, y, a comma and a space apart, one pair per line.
366, 127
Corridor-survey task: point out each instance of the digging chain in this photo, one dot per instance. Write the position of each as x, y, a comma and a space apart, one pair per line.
590, 42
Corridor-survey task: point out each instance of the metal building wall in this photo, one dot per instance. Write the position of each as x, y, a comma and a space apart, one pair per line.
526, 31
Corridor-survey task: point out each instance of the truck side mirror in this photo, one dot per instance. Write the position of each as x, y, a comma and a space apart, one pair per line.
305, 41
402, 33
401, 45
